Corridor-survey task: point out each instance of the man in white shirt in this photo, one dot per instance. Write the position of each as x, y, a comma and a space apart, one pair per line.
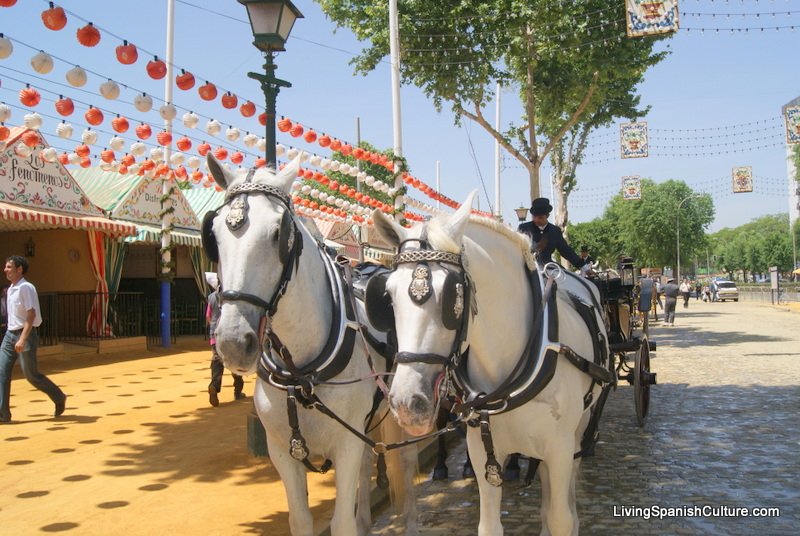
22, 339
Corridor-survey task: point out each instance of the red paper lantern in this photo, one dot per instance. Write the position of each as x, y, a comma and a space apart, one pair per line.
86, 162
347, 149
88, 36
310, 136
324, 140
120, 124
296, 131
164, 138
93, 116
123, 169
336, 145
156, 68
54, 18
82, 151
184, 81
203, 149
31, 138
262, 118
285, 125
237, 157
143, 131
107, 156
358, 152
63, 158
260, 162
197, 175
308, 174
184, 144
7, 3
334, 185
248, 109
29, 96
147, 165
127, 53
127, 160
65, 106
221, 153
5, 132
208, 91
229, 100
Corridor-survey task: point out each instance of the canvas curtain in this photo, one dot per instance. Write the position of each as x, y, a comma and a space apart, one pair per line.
200, 265
97, 324
115, 256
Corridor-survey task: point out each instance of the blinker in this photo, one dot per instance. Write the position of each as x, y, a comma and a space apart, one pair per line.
420, 287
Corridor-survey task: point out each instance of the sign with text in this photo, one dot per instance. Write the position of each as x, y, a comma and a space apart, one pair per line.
631, 187
633, 140
742, 179
143, 205
649, 17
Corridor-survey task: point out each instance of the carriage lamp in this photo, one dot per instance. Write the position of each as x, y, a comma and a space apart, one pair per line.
627, 272
271, 22
30, 248
522, 213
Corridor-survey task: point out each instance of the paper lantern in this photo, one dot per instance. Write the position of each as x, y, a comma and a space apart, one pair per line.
193, 162
250, 140
284, 125
85, 162
143, 102
164, 138
190, 120
5, 112
116, 143
262, 118
221, 153
22, 150
54, 18
336, 145
32, 121
237, 157
208, 91
261, 144
310, 136
76, 77
5, 132
156, 154
324, 140
184, 80
203, 149
347, 149
63, 158
30, 138
120, 124
127, 53
123, 169
296, 131
138, 148
64, 130
109, 89
181, 173
65, 106
88, 36
229, 100
107, 156
167, 112
127, 160
82, 150
292, 153
232, 134
93, 116
49, 154
42, 62
156, 68
213, 127
176, 159
260, 162
183, 144
29, 96
358, 153
6, 47
279, 149
248, 109
143, 131
89, 136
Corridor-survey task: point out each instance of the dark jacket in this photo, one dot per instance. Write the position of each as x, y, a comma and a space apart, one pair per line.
671, 290
548, 240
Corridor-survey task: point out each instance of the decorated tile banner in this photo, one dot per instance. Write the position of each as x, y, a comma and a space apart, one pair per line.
633, 140
631, 187
791, 116
649, 17
742, 179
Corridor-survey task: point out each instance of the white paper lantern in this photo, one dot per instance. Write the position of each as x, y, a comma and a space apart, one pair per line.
190, 119
168, 112
346, 205
279, 150
213, 127
49, 154
305, 189
116, 143
64, 130
156, 154
339, 202
5, 112
323, 197
353, 171
42, 62
262, 144
133, 169
377, 184
296, 185
370, 180
325, 164
143, 102
138, 148
361, 176
74, 159
176, 159
6, 48
392, 192
76, 77
232, 133
250, 140
33, 121
344, 168
314, 193
315, 160
109, 89
292, 153
89, 136
23, 150
106, 166
193, 162
335, 165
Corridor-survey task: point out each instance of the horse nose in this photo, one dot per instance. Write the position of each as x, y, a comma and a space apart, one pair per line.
251, 344
419, 405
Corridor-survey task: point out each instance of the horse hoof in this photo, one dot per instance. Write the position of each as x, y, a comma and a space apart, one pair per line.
469, 472
439, 473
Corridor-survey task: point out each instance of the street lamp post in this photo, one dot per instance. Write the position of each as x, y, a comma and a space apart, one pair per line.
271, 22
678, 239
522, 213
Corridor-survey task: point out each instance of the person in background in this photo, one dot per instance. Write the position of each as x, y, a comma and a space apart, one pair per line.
713, 287
546, 237
217, 366
22, 339
686, 290
697, 288
670, 291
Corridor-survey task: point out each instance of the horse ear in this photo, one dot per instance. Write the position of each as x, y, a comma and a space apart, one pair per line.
393, 232
285, 177
222, 176
457, 223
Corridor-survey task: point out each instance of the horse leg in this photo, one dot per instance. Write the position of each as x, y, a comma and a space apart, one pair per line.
511, 471
410, 461
348, 459
490, 496
293, 476
440, 469
559, 515
544, 478
363, 506
468, 471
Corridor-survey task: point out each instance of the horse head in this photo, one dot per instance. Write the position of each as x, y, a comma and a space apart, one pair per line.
253, 237
429, 292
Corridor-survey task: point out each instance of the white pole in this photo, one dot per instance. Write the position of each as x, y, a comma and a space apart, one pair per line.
166, 220
497, 209
394, 52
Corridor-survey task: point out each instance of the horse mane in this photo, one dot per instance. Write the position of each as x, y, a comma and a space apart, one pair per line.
440, 239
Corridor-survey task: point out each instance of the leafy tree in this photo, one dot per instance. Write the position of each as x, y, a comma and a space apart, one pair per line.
755, 246
570, 62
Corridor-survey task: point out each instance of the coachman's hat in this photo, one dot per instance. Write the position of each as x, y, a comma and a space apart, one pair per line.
541, 207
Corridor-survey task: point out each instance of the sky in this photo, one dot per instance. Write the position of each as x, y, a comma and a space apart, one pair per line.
715, 101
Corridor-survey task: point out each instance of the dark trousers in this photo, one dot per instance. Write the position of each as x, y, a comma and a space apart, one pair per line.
217, 370
30, 368
669, 309
685, 299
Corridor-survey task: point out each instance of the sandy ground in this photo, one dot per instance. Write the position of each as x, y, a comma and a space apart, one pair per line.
139, 450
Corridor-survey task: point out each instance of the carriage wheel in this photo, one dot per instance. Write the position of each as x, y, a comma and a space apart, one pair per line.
642, 379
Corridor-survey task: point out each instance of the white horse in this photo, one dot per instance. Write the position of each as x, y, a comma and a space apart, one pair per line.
278, 283
456, 263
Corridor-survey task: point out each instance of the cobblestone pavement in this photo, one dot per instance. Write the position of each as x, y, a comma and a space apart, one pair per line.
722, 431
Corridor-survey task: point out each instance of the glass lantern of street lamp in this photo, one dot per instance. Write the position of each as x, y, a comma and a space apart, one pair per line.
627, 272
271, 22
522, 212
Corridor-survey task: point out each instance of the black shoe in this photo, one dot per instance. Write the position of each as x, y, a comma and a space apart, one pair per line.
61, 406
213, 399
239, 395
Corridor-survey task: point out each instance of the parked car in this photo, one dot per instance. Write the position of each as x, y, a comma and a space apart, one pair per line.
726, 290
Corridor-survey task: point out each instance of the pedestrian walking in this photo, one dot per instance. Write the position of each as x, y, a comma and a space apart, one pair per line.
217, 366
714, 288
22, 339
671, 291
697, 289
685, 289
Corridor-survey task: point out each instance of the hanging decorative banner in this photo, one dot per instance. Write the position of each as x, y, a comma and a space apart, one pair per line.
791, 117
742, 179
631, 187
633, 140
650, 17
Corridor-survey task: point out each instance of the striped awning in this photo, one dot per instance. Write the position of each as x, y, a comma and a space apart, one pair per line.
18, 218
152, 235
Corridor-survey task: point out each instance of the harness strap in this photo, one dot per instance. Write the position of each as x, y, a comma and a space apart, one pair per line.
494, 471
595, 371
297, 444
430, 359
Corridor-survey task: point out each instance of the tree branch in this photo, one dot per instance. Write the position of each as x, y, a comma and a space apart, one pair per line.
478, 118
575, 116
